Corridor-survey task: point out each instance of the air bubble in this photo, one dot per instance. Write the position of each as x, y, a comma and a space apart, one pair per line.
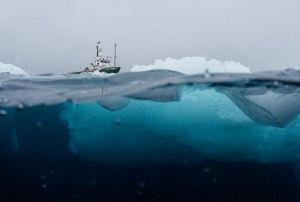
74, 196
207, 74
44, 186
118, 121
139, 193
215, 180
184, 162
206, 170
39, 124
3, 113
276, 83
20, 107
3, 100
142, 184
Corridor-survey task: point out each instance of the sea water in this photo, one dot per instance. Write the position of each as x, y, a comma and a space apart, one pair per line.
150, 136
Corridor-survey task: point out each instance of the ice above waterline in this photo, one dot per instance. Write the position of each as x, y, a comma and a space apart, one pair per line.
164, 115
221, 123
12, 69
194, 65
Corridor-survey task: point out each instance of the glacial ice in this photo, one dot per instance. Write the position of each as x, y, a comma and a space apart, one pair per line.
164, 123
166, 116
194, 65
270, 108
203, 124
12, 69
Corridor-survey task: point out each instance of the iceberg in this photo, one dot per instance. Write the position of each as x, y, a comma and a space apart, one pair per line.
12, 69
204, 124
183, 123
166, 116
194, 65
270, 108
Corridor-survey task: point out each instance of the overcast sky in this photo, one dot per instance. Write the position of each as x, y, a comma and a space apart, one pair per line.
59, 35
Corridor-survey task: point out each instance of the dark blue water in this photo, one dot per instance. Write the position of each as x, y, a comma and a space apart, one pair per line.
185, 142
46, 170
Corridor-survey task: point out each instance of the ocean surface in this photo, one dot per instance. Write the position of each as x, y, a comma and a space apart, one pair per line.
150, 136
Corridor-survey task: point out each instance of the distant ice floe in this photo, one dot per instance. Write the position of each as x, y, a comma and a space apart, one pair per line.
12, 69
194, 65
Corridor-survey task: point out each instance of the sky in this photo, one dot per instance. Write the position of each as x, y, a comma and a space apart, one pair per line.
59, 36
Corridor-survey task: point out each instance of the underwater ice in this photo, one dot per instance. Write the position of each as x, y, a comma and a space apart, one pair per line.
166, 116
203, 124
227, 124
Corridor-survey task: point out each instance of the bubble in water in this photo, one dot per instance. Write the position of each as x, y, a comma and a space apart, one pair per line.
137, 82
139, 193
39, 124
142, 184
20, 107
3, 100
3, 113
206, 170
215, 180
207, 74
184, 162
74, 196
44, 186
118, 121
276, 83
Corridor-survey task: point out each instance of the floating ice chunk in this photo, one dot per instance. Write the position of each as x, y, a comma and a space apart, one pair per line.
131, 141
150, 131
194, 65
12, 69
270, 108
162, 94
203, 124
114, 103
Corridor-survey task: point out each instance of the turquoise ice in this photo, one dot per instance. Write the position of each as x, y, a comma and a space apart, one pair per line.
205, 123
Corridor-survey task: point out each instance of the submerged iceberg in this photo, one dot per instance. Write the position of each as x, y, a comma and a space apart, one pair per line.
203, 124
192, 122
166, 116
267, 107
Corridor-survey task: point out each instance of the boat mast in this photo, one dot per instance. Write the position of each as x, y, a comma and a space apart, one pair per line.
97, 48
115, 55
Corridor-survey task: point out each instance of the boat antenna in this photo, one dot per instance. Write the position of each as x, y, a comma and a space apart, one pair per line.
97, 48
115, 55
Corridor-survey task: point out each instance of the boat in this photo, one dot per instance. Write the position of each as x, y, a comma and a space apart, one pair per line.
102, 64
